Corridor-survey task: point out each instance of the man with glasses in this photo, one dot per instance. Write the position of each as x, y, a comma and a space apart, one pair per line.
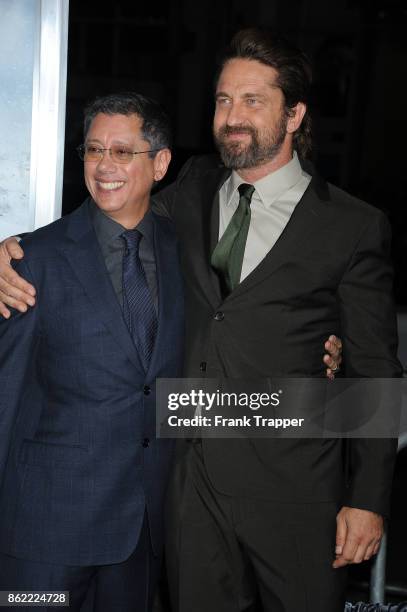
82, 475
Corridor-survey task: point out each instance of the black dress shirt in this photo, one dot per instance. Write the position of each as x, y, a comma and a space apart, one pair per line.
108, 233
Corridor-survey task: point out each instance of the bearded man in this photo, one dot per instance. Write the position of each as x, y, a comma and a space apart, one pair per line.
275, 260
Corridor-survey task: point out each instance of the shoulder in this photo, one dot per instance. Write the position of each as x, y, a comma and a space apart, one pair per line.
346, 210
200, 166
339, 201
352, 206
164, 224
43, 241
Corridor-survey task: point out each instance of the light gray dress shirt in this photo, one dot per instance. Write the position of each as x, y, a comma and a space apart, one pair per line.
273, 202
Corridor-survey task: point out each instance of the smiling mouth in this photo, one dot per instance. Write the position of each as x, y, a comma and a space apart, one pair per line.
237, 137
237, 134
110, 186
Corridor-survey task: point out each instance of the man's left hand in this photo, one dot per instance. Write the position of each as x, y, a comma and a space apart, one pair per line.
333, 358
358, 535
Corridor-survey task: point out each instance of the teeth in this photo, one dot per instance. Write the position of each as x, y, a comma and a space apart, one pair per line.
110, 186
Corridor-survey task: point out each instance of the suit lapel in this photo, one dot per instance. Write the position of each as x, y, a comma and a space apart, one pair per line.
210, 224
167, 266
86, 260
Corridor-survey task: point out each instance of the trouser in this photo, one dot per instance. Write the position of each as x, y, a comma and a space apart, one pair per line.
234, 554
121, 587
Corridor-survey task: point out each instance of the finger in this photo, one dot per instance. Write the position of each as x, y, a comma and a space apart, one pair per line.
13, 296
337, 341
360, 553
369, 551
333, 358
331, 363
350, 548
334, 352
332, 369
332, 349
12, 284
376, 548
11, 302
340, 562
4, 311
13, 248
341, 533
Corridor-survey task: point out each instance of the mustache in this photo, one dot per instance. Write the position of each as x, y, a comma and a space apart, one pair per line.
229, 130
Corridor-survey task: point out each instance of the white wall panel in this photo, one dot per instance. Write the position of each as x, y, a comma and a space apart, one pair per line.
33, 57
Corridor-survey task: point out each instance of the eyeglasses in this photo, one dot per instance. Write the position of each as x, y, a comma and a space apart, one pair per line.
118, 154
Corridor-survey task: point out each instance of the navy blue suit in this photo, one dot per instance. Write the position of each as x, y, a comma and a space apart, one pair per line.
80, 467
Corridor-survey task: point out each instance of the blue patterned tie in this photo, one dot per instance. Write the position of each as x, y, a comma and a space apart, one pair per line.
138, 308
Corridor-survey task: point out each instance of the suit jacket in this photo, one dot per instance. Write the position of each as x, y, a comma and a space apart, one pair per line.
79, 462
329, 272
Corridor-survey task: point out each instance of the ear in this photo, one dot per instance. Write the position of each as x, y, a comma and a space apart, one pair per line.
161, 163
296, 116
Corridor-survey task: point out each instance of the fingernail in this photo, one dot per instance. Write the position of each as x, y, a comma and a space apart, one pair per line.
31, 302
338, 550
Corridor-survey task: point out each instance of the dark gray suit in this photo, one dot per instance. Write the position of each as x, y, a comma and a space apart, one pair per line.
329, 272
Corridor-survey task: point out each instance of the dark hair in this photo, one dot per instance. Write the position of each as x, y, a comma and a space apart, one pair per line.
156, 129
294, 74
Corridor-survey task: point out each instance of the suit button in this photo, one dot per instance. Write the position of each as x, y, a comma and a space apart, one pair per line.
219, 316
146, 390
145, 443
202, 366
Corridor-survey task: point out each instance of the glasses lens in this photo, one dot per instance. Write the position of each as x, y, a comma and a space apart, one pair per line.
118, 153
121, 155
92, 152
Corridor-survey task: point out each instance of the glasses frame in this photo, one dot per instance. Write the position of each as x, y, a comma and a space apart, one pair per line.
81, 152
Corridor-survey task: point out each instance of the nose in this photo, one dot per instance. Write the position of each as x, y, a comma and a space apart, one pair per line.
106, 163
235, 115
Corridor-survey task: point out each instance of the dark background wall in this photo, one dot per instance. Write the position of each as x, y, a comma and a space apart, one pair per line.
167, 49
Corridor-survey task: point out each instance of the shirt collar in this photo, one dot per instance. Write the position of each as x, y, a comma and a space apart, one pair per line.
271, 186
146, 226
107, 230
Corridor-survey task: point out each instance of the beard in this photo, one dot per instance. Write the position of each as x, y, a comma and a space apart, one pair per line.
262, 148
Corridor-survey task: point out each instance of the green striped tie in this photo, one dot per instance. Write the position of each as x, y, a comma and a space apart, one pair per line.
227, 257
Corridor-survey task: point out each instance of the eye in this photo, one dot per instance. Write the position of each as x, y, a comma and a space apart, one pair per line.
251, 101
122, 153
222, 101
93, 149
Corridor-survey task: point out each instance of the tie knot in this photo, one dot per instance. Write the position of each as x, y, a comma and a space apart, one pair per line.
246, 191
132, 239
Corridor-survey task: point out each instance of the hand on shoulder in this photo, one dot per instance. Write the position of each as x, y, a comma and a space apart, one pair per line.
15, 292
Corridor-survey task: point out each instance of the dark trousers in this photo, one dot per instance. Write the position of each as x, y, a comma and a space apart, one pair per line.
229, 554
122, 587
